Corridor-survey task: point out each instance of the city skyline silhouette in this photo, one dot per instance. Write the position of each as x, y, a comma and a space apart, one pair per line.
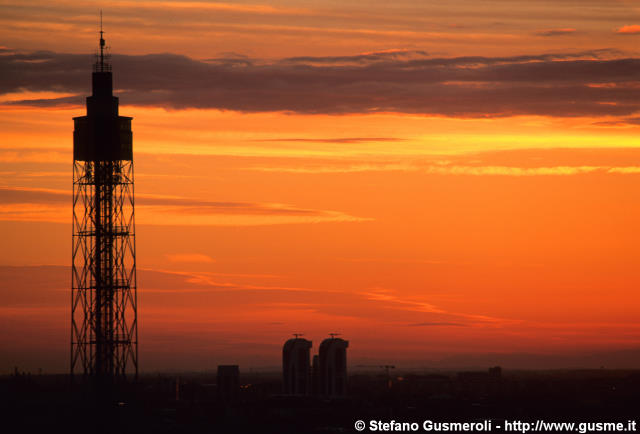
468, 205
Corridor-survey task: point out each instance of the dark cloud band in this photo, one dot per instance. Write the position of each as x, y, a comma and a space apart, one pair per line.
580, 84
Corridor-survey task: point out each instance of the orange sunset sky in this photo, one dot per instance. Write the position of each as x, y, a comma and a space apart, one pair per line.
436, 180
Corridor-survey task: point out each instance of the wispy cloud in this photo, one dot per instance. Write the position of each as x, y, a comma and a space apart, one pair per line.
344, 168
34, 155
189, 258
363, 58
556, 32
629, 30
622, 122
389, 296
33, 204
217, 6
513, 171
437, 324
334, 139
393, 300
449, 169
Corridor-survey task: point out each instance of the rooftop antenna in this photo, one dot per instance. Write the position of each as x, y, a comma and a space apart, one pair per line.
102, 58
101, 44
297, 335
333, 335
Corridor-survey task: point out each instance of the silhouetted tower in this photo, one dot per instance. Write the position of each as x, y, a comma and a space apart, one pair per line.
296, 369
104, 332
332, 364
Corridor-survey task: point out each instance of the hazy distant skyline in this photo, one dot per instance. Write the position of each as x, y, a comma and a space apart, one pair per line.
427, 178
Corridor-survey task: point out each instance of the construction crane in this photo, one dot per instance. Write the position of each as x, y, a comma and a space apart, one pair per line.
386, 371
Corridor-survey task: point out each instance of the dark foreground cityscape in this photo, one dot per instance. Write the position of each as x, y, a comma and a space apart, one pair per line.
207, 403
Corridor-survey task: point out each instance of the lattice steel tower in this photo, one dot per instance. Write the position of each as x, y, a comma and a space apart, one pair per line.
104, 331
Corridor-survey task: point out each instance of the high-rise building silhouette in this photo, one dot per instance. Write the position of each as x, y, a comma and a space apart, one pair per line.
296, 368
315, 375
332, 364
228, 382
104, 332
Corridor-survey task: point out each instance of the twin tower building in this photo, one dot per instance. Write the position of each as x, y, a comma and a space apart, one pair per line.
326, 376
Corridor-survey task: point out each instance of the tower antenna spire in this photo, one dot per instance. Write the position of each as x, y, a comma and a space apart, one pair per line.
101, 44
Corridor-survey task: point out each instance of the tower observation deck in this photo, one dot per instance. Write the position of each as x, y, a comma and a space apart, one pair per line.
104, 331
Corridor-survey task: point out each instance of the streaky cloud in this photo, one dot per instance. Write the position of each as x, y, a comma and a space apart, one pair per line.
628, 30
335, 140
437, 324
556, 32
32, 204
